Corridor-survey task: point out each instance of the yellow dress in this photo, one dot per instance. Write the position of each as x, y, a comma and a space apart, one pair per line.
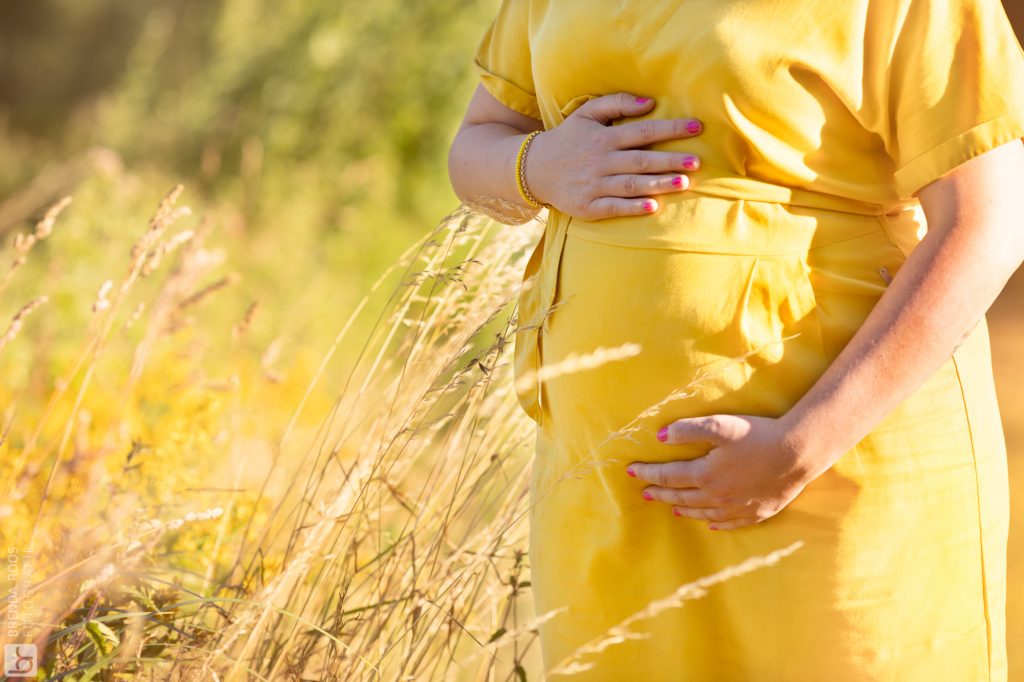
821, 120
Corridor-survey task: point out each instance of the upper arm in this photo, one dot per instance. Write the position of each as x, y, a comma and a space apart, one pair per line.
486, 108
983, 193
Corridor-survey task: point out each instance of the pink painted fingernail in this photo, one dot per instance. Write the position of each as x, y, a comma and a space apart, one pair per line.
691, 163
713, 527
648, 496
645, 100
675, 510
650, 206
693, 127
663, 434
630, 471
678, 180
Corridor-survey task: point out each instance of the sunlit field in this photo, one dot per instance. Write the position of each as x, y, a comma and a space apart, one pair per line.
178, 504
257, 418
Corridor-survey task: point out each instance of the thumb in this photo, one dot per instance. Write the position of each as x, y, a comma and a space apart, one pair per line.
607, 108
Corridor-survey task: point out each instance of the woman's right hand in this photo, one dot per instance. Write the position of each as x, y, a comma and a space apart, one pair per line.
588, 168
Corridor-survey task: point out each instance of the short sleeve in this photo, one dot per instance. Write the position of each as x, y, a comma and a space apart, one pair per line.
502, 59
955, 87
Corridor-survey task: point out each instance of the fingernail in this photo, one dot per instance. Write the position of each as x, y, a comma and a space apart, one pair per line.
663, 434
713, 527
650, 206
691, 162
678, 180
648, 496
675, 510
693, 127
645, 100
630, 471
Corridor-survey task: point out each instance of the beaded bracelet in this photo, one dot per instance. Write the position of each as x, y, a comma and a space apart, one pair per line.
524, 191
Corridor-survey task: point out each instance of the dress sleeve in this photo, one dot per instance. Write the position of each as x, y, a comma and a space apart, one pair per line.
954, 85
502, 59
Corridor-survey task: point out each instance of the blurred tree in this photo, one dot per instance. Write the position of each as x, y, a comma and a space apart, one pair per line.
55, 54
269, 95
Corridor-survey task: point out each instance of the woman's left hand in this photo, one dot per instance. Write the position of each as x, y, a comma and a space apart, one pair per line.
750, 474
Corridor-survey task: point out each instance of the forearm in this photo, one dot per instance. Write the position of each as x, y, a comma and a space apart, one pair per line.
936, 299
481, 167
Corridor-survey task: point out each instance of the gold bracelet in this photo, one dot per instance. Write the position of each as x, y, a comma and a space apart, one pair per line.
524, 191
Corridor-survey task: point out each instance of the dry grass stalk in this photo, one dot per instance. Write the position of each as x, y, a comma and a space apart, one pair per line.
23, 243
325, 534
102, 302
97, 338
239, 330
19, 319
397, 531
577, 362
694, 590
56, 180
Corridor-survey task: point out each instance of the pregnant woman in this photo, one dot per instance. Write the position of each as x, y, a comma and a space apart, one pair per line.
784, 221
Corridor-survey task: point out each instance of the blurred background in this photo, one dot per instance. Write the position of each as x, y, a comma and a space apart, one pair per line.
315, 131
311, 137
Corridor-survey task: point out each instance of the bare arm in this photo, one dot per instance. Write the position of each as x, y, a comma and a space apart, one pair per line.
757, 465
585, 166
973, 245
481, 161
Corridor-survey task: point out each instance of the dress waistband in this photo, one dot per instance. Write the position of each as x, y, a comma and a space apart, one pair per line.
728, 186
739, 215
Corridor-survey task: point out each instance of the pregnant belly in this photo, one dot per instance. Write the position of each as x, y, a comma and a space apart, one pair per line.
642, 335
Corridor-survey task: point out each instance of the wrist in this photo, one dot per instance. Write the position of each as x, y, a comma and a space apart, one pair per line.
532, 167
807, 444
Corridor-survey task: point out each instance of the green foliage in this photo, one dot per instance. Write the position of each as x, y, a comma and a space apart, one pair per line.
245, 92
314, 132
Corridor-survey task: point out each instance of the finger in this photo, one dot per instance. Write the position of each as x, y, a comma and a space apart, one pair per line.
684, 497
632, 185
703, 513
716, 429
607, 108
613, 207
679, 473
648, 131
650, 161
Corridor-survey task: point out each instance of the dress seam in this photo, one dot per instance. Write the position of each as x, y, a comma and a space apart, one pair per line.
981, 538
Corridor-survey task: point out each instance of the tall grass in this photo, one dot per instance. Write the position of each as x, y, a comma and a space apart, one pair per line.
165, 532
